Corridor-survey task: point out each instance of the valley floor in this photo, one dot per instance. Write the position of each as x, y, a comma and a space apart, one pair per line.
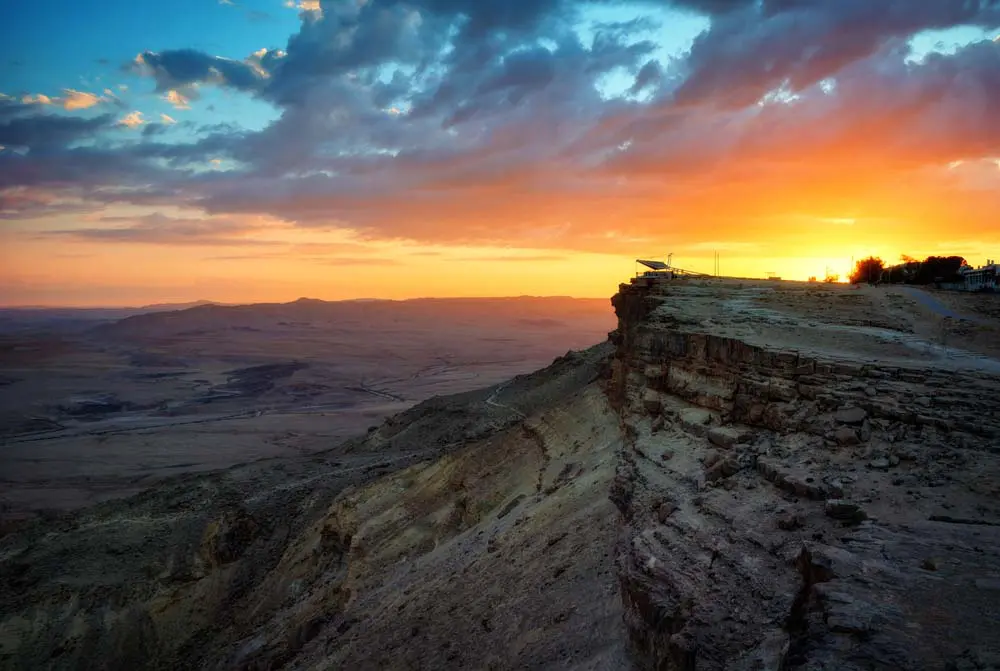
747, 475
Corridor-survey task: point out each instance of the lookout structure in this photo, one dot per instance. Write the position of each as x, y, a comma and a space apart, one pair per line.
660, 270
657, 269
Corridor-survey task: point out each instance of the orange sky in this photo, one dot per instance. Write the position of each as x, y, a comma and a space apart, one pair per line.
541, 154
322, 264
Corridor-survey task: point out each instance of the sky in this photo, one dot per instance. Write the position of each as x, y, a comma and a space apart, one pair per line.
263, 150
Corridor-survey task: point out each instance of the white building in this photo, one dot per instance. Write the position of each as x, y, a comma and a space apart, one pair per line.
981, 279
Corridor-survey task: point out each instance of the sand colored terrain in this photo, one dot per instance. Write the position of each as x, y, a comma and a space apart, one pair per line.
472, 531
859, 323
748, 475
811, 476
91, 409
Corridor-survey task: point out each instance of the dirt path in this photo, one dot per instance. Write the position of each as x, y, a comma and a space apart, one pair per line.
496, 404
936, 306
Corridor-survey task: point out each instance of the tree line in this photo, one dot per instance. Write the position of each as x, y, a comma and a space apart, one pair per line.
933, 269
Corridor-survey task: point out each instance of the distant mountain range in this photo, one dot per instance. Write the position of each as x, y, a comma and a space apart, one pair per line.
424, 314
158, 307
162, 318
40, 317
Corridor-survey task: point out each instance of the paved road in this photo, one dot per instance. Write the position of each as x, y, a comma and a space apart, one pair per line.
935, 305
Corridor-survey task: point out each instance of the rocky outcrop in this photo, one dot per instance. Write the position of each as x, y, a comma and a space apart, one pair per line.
472, 531
783, 506
730, 483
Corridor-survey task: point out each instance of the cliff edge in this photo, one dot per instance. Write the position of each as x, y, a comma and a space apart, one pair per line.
472, 531
807, 481
746, 476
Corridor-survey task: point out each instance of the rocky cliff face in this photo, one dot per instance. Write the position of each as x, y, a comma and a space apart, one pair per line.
738, 480
473, 531
822, 507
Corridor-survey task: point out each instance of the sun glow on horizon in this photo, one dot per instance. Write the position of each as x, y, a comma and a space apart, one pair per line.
474, 152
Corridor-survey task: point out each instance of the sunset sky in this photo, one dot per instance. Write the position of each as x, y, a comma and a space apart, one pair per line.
263, 150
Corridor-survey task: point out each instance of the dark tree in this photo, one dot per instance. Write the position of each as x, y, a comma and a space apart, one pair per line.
931, 270
867, 270
939, 269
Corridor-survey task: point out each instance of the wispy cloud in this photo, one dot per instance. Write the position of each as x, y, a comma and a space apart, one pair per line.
505, 258
177, 99
78, 100
158, 229
167, 119
304, 5
132, 120
391, 124
37, 99
70, 100
344, 261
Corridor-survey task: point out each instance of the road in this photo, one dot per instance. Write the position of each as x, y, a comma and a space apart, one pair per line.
936, 306
496, 404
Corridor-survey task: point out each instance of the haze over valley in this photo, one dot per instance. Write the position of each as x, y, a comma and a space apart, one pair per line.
93, 407
635, 335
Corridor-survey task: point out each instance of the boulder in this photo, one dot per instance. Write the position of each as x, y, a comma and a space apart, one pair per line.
722, 469
651, 402
724, 436
790, 522
653, 372
865, 432
845, 435
710, 458
845, 511
851, 415
664, 511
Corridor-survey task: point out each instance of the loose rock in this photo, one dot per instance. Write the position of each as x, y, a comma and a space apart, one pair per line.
664, 511
790, 522
846, 511
724, 436
846, 436
651, 401
851, 415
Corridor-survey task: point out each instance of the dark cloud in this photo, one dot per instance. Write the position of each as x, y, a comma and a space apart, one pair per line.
46, 131
179, 68
649, 76
427, 119
154, 129
796, 43
162, 230
714, 7
20, 204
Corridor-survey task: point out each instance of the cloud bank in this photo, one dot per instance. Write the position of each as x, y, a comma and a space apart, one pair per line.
535, 124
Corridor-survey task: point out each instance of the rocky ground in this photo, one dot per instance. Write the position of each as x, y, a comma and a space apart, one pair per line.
93, 408
801, 491
747, 476
472, 531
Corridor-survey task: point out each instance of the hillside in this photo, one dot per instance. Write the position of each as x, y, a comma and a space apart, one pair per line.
746, 476
102, 412
470, 531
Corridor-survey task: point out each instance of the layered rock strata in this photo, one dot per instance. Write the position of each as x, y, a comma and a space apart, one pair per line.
473, 531
807, 508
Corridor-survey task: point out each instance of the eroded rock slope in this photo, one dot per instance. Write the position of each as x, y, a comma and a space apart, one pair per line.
473, 531
801, 503
748, 476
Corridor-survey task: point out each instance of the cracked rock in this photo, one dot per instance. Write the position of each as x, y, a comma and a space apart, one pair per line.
846, 436
851, 415
846, 511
